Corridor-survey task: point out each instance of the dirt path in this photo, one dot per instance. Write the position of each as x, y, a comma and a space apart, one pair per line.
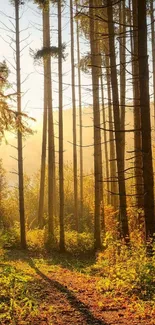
74, 299
64, 296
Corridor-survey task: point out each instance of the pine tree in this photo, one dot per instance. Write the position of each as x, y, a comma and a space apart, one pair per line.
61, 158
145, 120
97, 131
74, 120
118, 136
44, 135
20, 142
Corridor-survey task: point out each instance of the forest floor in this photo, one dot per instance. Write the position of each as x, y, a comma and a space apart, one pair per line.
59, 290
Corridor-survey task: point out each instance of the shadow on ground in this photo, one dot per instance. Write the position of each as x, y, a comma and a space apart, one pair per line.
74, 302
63, 261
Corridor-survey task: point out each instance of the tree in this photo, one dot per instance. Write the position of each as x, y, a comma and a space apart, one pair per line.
80, 121
122, 39
74, 120
46, 52
51, 152
61, 158
20, 142
112, 154
44, 136
137, 114
145, 120
97, 131
105, 141
118, 136
153, 50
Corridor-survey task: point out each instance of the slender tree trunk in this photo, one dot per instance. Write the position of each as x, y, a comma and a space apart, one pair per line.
74, 120
122, 74
145, 120
50, 134
61, 158
80, 123
44, 137
113, 171
118, 135
97, 135
153, 50
137, 114
105, 143
99, 69
20, 146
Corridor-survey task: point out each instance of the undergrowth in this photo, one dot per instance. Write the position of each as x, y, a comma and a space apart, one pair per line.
126, 269
37, 240
122, 271
17, 300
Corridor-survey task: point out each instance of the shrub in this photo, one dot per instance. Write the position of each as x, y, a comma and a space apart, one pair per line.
36, 239
78, 243
126, 269
10, 238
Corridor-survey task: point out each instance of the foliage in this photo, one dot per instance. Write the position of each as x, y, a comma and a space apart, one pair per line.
84, 25
10, 238
9, 119
46, 52
126, 269
78, 243
10, 202
85, 63
16, 299
37, 240
44, 4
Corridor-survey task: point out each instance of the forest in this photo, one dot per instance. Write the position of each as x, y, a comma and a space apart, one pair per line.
77, 162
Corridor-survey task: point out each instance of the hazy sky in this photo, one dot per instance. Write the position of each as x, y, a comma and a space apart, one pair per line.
32, 78
32, 74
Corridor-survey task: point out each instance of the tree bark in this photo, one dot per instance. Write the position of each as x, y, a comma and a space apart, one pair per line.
105, 143
153, 51
74, 120
51, 153
61, 158
137, 114
44, 136
97, 132
118, 135
145, 120
80, 123
112, 151
20, 145
122, 74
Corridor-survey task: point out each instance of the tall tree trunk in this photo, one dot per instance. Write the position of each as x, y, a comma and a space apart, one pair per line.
137, 114
97, 135
20, 146
118, 135
74, 121
80, 123
153, 50
50, 133
122, 74
44, 136
145, 120
113, 172
61, 158
105, 142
